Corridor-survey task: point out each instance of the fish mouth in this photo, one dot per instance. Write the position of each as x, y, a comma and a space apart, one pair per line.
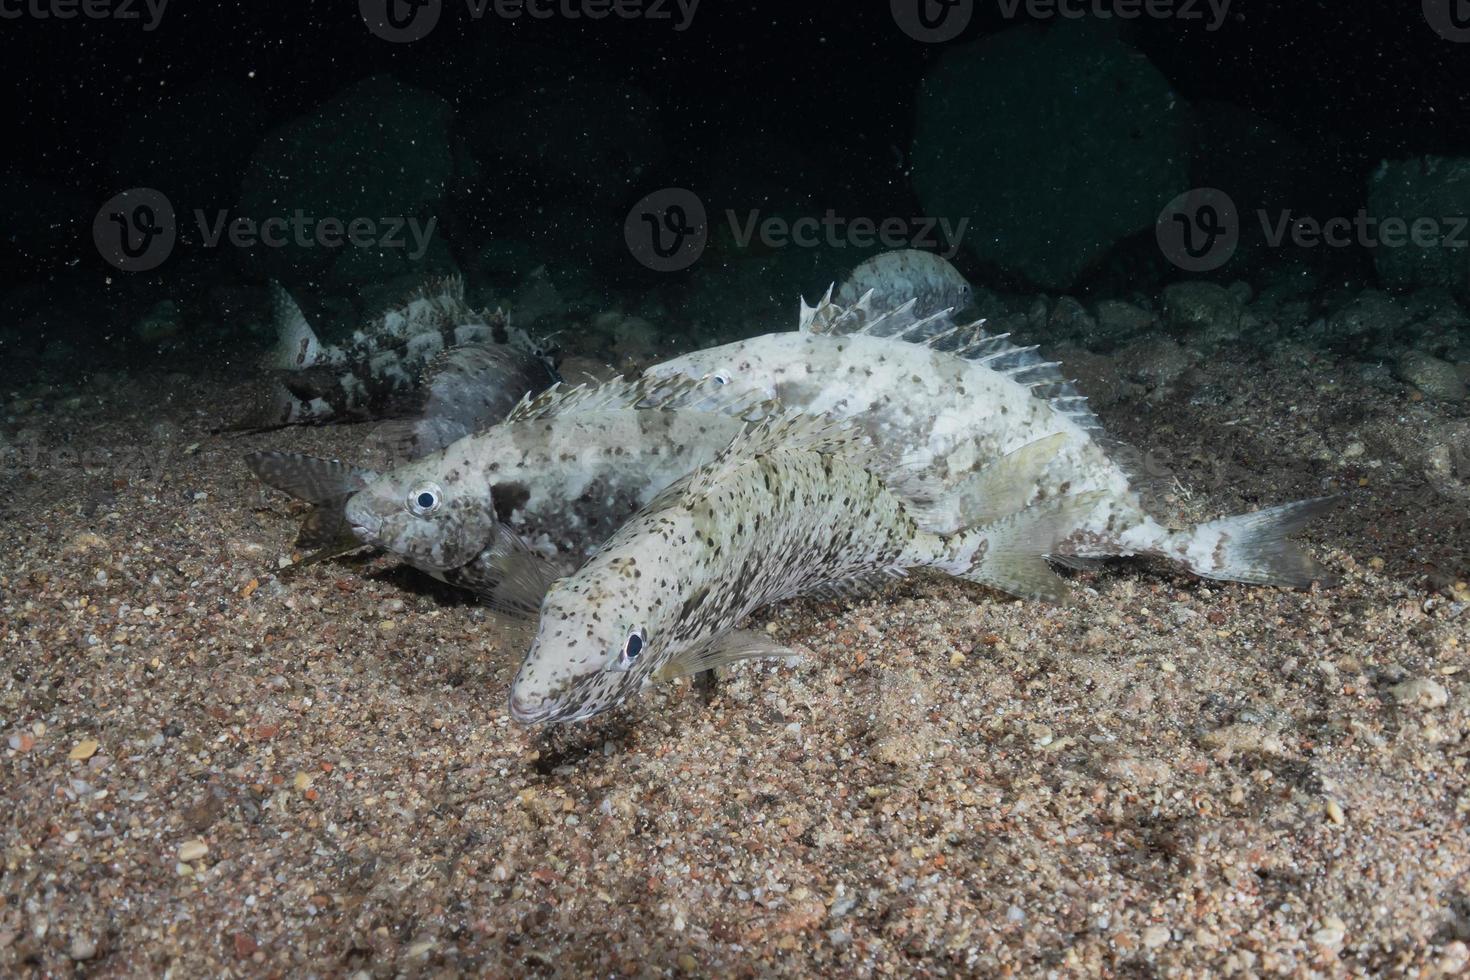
530, 712
365, 525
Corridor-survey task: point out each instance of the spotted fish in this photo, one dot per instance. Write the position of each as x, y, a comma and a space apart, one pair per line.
507, 510
792, 507
380, 370
951, 398
890, 279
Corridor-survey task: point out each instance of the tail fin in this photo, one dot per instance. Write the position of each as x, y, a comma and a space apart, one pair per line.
1010, 553
1253, 548
308, 478
326, 484
297, 345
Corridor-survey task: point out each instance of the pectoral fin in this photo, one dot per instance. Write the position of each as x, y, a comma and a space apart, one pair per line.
510, 577
724, 650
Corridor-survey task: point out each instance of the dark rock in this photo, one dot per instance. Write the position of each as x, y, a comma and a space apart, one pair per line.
1435, 378
543, 135
1059, 142
1119, 321
1432, 189
379, 150
1209, 313
1372, 317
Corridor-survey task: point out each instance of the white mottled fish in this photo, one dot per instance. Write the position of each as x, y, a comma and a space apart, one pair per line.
791, 508
893, 278
507, 510
951, 399
380, 371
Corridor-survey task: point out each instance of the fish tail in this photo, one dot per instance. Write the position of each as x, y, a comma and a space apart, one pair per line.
273, 405
308, 478
297, 345
1009, 553
1253, 548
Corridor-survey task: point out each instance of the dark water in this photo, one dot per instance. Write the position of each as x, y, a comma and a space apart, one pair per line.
1050, 150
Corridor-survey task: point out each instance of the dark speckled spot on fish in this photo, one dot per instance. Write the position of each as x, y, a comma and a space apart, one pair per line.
508, 498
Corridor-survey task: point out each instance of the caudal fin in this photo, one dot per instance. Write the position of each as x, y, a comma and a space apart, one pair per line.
1009, 554
308, 478
297, 345
1253, 548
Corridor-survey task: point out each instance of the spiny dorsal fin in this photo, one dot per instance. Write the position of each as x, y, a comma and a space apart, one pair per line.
647, 392
449, 287
940, 332
835, 320
297, 345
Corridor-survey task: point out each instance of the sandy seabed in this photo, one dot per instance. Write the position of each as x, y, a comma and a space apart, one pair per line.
214, 769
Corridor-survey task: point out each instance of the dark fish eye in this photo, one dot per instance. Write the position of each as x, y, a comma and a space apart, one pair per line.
632, 647
424, 500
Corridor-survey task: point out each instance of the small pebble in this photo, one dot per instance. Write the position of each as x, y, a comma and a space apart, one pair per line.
192, 850
84, 749
1420, 692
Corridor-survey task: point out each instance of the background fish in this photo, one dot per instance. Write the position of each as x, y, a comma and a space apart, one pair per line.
379, 371
952, 398
891, 279
790, 508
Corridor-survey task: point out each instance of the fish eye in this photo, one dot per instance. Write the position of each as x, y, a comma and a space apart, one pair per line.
718, 377
632, 647
424, 500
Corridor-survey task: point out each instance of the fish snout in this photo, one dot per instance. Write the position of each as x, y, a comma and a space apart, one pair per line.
527, 710
364, 523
